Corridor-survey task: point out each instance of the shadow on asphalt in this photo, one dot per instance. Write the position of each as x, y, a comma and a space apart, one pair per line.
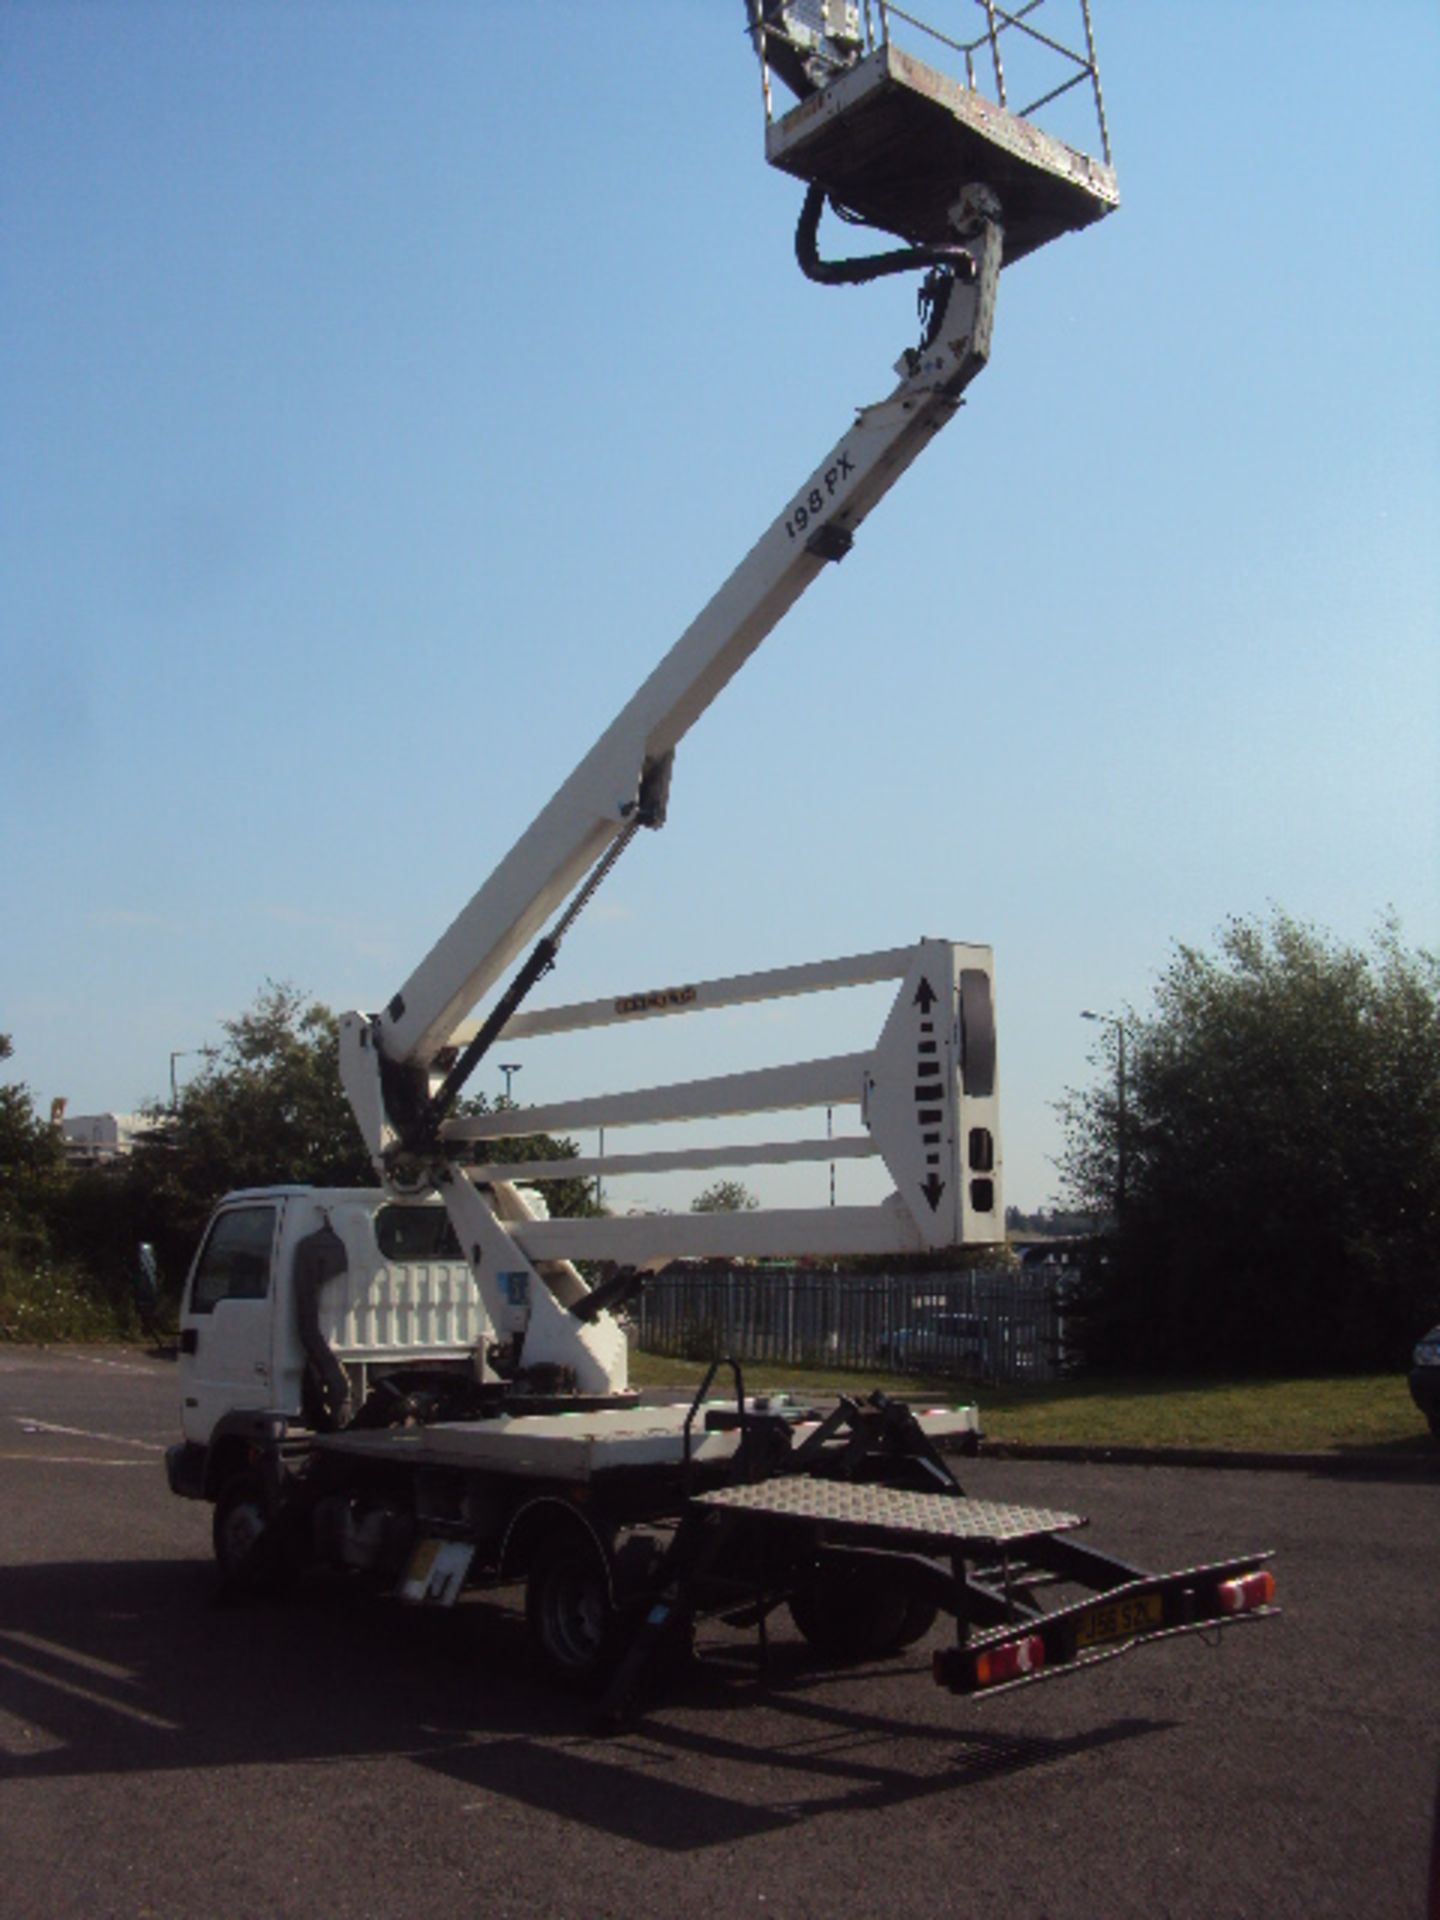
127, 1668
1392, 1460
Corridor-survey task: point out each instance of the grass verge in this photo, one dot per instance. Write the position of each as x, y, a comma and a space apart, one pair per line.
1369, 1412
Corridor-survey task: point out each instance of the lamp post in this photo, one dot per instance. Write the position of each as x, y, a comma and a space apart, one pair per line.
1121, 1116
184, 1053
509, 1072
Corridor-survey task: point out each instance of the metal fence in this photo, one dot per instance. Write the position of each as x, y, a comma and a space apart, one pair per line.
987, 1324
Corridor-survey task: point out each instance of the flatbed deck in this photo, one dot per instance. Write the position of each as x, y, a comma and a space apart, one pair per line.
578, 1446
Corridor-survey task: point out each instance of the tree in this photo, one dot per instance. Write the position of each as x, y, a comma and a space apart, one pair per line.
268, 1109
30, 1165
725, 1196
569, 1199
1278, 1123
30, 1151
43, 1295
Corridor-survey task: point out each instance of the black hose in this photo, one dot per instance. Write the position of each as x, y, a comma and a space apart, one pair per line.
319, 1258
851, 273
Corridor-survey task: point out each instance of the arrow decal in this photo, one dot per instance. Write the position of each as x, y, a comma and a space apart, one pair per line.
932, 1191
925, 995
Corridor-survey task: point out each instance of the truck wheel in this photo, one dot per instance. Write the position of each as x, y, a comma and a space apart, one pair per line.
569, 1613
858, 1616
249, 1549
920, 1616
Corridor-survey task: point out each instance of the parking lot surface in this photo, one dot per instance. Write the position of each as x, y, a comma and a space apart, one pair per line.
337, 1754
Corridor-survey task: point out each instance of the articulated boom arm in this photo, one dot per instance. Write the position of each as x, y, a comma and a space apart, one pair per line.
610, 792
886, 139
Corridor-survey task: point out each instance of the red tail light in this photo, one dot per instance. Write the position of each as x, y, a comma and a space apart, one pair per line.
1008, 1662
1247, 1591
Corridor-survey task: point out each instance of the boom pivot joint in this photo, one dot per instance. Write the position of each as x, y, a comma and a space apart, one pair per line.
418, 1117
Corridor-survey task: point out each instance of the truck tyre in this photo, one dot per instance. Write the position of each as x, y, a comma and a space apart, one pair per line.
920, 1616
249, 1549
859, 1616
569, 1613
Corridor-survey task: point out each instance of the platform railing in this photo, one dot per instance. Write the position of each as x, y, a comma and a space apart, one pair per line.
883, 23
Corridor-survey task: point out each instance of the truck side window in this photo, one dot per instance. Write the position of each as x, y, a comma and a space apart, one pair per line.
235, 1263
416, 1233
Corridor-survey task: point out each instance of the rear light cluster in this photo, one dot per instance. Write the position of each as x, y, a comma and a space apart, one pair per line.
1010, 1661
1247, 1591
964, 1672
971, 1670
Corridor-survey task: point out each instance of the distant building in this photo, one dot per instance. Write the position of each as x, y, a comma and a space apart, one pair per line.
96, 1139
1035, 1252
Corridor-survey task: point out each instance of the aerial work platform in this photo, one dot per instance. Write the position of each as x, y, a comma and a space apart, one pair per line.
891, 138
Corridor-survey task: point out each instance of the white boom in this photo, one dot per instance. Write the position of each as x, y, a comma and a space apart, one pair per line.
908, 1089
600, 798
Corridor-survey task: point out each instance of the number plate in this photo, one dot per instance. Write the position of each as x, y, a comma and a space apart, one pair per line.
436, 1572
1118, 1620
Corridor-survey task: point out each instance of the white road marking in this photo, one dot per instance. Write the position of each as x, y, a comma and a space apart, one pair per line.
116, 1366
29, 1424
37, 1643
88, 1693
74, 1460
18, 1365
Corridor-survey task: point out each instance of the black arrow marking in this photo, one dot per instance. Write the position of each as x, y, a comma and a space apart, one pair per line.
925, 995
932, 1191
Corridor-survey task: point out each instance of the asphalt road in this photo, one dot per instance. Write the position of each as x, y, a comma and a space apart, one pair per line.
337, 1756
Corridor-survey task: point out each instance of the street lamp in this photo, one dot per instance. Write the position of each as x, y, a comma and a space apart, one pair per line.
184, 1053
1121, 1117
509, 1072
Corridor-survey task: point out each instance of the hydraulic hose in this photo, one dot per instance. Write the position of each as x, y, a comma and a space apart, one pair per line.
850, 273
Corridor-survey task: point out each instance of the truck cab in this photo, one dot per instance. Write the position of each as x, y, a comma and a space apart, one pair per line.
301, 1299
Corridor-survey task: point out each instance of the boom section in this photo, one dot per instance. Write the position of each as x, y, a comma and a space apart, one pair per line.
599, 801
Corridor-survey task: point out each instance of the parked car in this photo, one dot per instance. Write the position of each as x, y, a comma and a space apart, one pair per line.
947, 1343
1425, 1379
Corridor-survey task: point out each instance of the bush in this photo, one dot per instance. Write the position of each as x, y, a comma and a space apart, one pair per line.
44, 1299
1266, 1146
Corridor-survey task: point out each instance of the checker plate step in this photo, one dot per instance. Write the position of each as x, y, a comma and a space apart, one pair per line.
929, 1516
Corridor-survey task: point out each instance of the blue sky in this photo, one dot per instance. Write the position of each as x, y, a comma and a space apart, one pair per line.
386, 386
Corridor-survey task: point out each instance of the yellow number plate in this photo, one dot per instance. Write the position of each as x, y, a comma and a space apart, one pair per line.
1118, 1620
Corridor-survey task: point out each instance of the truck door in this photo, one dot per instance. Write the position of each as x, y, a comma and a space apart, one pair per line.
227, 1324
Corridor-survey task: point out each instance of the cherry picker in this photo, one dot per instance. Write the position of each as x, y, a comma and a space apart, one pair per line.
425, 1383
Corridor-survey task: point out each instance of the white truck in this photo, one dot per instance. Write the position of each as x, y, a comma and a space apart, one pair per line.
417, 1385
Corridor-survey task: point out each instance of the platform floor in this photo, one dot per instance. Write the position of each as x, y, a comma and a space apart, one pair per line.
895, 140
